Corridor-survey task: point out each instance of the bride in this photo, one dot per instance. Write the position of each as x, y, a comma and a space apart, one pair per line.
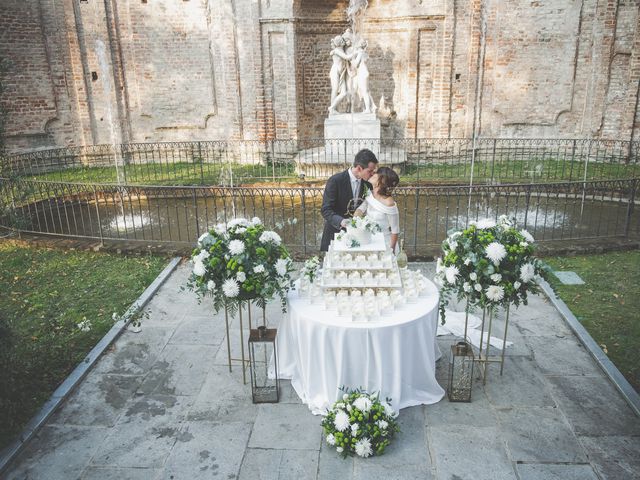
380, 206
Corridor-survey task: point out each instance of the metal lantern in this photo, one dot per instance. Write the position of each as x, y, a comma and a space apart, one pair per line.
262, 347
460, 372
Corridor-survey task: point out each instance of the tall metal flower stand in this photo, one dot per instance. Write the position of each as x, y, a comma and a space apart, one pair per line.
243, 360
485, 357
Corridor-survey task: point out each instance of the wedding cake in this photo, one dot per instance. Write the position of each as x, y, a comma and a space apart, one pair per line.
362, 281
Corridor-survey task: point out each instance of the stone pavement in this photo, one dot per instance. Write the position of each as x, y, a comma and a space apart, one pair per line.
161, 404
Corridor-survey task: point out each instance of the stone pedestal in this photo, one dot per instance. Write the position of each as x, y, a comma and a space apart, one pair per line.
352, 132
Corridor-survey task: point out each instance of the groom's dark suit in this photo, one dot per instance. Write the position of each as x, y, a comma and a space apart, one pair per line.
335, 202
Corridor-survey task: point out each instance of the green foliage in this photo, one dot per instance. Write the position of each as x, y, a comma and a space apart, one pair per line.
607, 304
54, 307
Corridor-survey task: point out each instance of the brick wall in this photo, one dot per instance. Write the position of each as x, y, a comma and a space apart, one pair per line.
100, 71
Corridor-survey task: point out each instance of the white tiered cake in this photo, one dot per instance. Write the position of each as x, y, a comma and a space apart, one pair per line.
363, 282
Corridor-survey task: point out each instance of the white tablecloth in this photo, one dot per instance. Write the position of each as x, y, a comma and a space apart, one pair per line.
395, 355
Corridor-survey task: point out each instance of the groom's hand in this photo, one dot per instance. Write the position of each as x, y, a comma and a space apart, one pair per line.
344, 222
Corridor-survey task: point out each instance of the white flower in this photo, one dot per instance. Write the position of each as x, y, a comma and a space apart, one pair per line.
331, 440
477, 287
236, 247
527, 236
354, 429
238, 222
452, 244
451, 273
84, 325
256, 221
341, 421
505, 222
495, 293
349, 407
486, 223
241, 230
363, 447
258, 269
205, 239
231, 288
203, 255
220, 229
382, 424
387, 409
339, 449
473, 276
241, 276
466, 287
211, 285
363, 404
439, 266
527, 271
281, 266
269, 236
467, 261
345, 397
524, 244
199, 268
496, 277
516, 285
495, 252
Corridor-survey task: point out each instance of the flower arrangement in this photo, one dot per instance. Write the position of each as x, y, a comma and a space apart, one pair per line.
310, 268
360, 424
490, 264
364, 223
238, 261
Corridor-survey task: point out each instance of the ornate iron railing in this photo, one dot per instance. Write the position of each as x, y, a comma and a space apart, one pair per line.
232, 163
177, 215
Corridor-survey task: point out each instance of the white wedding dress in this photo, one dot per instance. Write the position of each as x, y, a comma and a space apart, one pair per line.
387, 217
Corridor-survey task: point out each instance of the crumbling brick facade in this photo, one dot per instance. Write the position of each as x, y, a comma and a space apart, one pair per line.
80, 72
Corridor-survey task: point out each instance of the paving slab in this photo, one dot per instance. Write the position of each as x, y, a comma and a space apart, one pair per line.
209, 450
539, 434
286, 426
593, 406
520, 385
469, 453
272, 464
615, 456
555, 472
100, 400
58, 453
162, 404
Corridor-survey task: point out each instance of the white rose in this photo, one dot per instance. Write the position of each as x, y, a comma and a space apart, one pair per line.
473, 276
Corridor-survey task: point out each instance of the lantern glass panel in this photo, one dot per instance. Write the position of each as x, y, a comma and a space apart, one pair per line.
265, 388
460, 372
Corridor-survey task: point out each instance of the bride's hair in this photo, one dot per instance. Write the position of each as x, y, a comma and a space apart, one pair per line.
387, 181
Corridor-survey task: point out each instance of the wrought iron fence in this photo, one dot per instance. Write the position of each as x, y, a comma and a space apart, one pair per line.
177, 215
233, 163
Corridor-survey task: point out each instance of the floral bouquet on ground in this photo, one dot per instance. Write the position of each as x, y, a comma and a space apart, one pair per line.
490, 264
239, 261
360, 424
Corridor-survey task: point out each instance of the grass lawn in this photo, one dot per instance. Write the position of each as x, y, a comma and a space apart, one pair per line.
608, 304
46, 293
505, 171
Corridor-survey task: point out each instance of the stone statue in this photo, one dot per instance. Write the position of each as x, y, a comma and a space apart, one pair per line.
359, 63
338, 73
349, 73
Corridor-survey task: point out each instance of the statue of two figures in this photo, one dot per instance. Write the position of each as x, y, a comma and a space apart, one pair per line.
349, 73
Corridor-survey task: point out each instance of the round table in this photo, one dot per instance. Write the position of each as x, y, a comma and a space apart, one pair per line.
394, 355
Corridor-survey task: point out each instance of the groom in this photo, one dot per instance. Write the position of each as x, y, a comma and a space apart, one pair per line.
344, 193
